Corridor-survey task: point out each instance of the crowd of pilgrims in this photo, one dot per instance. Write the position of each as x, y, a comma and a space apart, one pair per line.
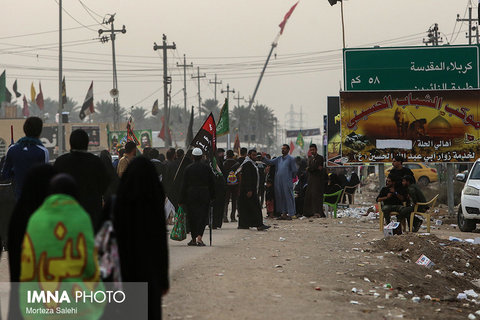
118, 206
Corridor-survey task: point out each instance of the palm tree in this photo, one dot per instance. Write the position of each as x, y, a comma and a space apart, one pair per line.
139, 115
211, 105
104, 112
241, 118
264, 118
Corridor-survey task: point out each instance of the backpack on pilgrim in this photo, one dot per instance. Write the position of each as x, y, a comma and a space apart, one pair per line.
232, 178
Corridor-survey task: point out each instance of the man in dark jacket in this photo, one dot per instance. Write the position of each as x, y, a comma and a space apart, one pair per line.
317, 180
243, 155
197, 192
415, 195
399, 171
26, 153
250, 213
219, 203
391, 199
89, 173
170, 170
230, 166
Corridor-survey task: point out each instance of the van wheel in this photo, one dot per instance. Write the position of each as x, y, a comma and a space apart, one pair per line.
465, 225
424, 181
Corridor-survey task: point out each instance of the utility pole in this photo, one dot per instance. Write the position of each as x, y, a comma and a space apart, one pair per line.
60, 71
215, 83
185, 65
238, 98
114, 91
166, 81
470, 20
228, 101
433, 36
198, 77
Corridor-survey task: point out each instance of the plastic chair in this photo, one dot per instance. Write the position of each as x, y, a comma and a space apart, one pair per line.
338, 194
403, 223
430, 205
350, 196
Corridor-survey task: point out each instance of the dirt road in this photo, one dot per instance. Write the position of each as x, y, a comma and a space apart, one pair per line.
323, 269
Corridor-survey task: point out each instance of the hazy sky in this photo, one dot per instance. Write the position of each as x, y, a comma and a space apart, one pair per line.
227, 37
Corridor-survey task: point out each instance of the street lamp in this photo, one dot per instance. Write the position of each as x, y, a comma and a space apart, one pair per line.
333, 2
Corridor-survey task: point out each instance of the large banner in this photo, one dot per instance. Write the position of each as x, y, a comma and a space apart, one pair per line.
116, 139
334, 147
93, 134
422, 126
304, 132
49, 138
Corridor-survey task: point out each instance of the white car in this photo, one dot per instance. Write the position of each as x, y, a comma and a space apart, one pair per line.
469, 209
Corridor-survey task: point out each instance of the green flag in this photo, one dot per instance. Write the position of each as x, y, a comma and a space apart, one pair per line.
300, 141
223, 125
3, 88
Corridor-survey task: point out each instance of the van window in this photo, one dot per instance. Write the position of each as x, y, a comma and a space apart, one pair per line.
475, 172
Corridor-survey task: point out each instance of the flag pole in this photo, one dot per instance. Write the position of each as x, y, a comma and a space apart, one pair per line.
60, 71
180, 165
274, 45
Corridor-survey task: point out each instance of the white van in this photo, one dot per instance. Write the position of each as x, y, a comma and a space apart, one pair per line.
469, 209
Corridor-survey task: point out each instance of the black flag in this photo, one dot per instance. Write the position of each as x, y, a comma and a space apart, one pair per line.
15, 89
206, 137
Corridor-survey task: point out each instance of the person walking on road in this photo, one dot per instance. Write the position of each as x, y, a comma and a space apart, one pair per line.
89, 173
219, 204
285, 171
197, 193
250, 213
230, 167
130, 152
35, 190
23, 155
317, 181
140, 229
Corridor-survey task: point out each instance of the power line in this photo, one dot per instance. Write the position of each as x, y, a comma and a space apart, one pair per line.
42, 32
68, 13
90, 11
463, 20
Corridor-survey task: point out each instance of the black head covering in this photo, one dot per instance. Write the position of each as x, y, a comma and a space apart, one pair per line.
139, 222
65, 184
333, 178
34, 192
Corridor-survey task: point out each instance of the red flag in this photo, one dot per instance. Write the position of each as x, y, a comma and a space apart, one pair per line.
161, 134
39, 100
206, 138
287, 16
26, 112
292, 147
236, 144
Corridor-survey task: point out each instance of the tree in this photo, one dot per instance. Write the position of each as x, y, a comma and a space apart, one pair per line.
104, 112
139, 115
211, 105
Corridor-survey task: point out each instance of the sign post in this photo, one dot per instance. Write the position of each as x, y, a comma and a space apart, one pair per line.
411, 68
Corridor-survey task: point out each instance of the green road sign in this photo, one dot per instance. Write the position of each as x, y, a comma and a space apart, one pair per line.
411, 68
